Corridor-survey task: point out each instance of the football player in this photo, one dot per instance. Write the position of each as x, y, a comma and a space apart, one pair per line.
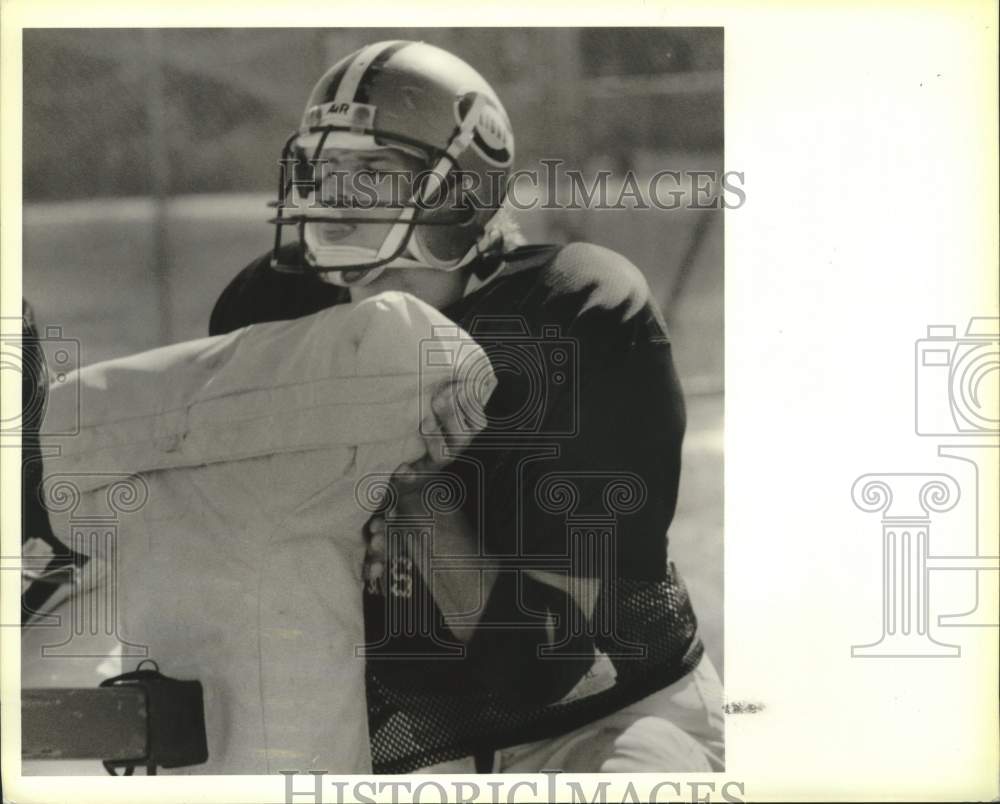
572, 644
38, 587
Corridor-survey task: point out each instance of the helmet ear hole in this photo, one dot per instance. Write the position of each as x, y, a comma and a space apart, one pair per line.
447, 243
439, 207
457, 209
454, 223
464, 213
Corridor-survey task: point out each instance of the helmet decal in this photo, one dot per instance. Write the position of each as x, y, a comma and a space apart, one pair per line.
491, 135
357, 116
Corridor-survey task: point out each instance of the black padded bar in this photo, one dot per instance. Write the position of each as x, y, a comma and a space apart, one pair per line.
107, 723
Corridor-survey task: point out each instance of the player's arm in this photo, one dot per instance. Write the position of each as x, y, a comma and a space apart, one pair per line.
258, 293
629, 419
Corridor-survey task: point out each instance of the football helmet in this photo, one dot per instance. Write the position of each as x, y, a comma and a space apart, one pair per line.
419, 100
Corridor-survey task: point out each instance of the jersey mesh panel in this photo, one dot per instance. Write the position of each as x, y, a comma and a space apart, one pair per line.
412, 729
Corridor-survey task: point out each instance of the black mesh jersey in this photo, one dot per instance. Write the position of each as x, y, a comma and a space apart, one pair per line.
576, 472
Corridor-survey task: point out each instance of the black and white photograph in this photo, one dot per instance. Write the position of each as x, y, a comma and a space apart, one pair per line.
510, 402
376, 399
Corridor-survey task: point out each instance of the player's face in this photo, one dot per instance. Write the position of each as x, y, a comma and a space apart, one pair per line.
388, 174
366, 185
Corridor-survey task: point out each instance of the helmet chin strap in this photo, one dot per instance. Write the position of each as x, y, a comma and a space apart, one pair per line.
412, 257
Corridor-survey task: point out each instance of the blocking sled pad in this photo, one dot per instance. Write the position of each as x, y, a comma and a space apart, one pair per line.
221, 485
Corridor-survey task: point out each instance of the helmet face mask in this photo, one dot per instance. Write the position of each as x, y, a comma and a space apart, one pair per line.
354, 204
429, 126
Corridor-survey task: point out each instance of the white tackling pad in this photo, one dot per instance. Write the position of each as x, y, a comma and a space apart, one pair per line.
239, 544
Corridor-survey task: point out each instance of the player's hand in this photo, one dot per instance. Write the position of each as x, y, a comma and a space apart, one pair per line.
456, 592
446, 432
407, 496
373, 570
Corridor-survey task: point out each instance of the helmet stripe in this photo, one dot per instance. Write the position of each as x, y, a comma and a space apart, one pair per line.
361, 96
348, 86
335, 79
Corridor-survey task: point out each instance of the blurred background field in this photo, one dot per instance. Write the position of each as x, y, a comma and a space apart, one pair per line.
149, 157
